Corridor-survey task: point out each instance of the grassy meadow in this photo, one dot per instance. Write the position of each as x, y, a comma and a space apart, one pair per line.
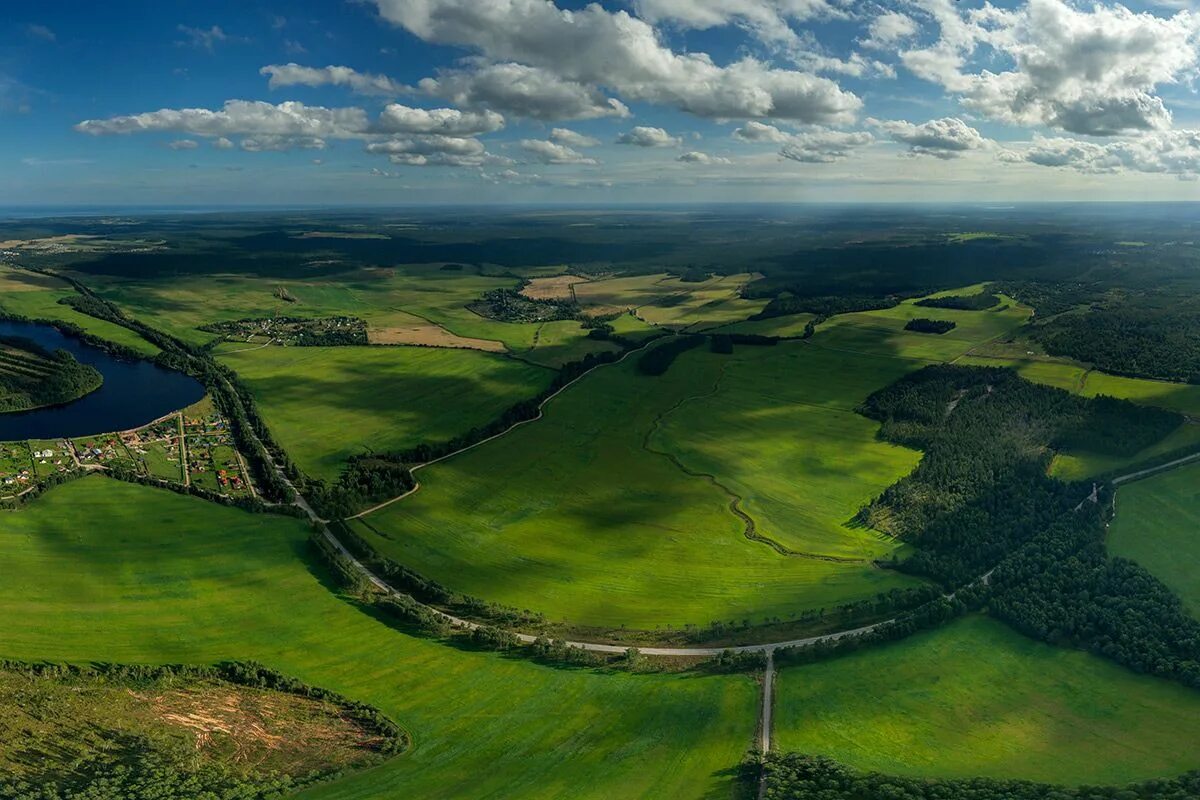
977, 699
108, 571
324, 404
36, 296
1158, 526
573, 516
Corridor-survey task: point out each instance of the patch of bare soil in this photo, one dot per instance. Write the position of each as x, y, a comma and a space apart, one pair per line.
430, 335
556, 288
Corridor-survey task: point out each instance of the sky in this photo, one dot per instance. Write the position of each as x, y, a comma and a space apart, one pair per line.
400, 102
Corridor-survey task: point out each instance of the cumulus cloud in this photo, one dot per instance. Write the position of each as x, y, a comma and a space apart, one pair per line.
292, 74
944, 138
1167, 152
1091, 71
769, 19
222, 143
431, 150
644, 136
816, 146
572, 139
238, 117
522, 91
396, 118
554, 153
889, 28
697, 157
595, 47
183, 144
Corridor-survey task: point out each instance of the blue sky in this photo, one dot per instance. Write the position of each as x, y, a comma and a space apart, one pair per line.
493, 101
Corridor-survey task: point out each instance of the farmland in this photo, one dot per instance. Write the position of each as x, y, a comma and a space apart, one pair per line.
976, 699
107, 571
589, 522
327, 403
1158, 526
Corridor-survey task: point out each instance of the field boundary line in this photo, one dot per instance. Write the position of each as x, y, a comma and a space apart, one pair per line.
540, 413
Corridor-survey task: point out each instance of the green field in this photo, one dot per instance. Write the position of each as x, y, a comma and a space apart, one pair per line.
781, 431
324, 404
573, 516
108, 571
37, 296
977, 699
1158, 526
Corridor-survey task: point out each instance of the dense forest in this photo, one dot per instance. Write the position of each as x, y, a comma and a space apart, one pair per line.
31, 376
799, 777
822, 307
935, 326
980, 499
961, 302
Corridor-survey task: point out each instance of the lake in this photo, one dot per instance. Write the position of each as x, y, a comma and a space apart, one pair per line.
133, 393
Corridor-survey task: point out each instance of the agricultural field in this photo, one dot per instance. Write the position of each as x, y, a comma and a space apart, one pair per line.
99, 570
585, 516
977, 699
667, 301
1158, 526
36, 296
325, 404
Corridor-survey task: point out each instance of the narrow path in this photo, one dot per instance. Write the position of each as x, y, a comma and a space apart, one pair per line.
1145, 473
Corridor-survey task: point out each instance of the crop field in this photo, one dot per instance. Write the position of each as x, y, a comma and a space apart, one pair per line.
573, 516
977, 699
327, 403
789, 325
1158, 526
664, 300
108, 571
37, 298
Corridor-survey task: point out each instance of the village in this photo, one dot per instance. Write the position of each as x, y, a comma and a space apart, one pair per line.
192, 447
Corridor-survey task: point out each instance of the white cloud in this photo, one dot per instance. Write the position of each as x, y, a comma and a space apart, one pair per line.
553, 153
595, 47
816, 146
697, 157
760, 132
238, 117
183, 144
522, 91
221, 143
645, 136
396, 118
431, 150
944, 138
282, 75
769, 19
572, 139
1093, 71
889, 28
1168, 152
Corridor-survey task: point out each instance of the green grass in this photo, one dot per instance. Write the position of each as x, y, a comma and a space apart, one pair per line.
1158, 526
102, 570
573, 517
324, 404
43, 304
782, 432
977, 699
